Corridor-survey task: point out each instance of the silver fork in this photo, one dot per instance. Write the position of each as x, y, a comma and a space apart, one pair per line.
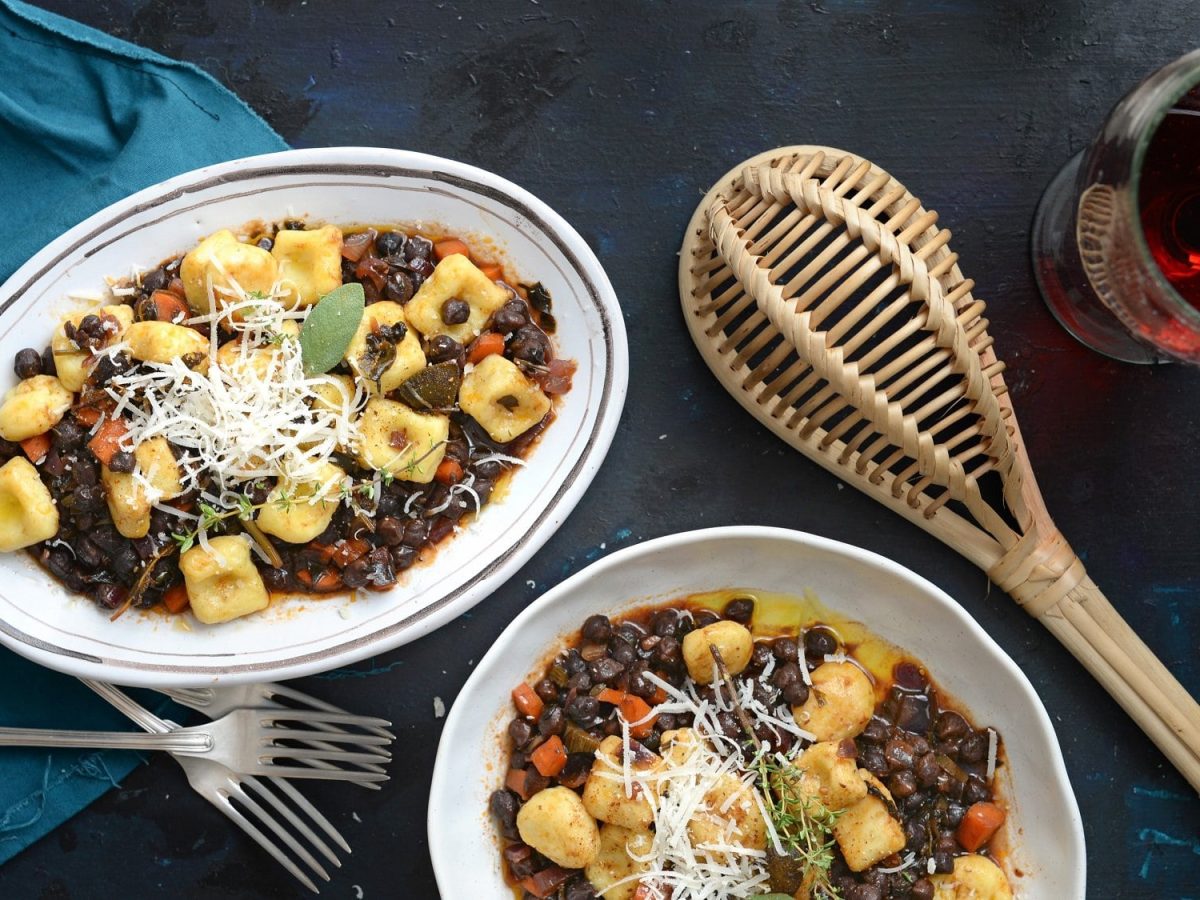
245, 740
216, 701
219, 785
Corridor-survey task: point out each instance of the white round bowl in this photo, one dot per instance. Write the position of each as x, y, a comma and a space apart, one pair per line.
344, 185
1044, 828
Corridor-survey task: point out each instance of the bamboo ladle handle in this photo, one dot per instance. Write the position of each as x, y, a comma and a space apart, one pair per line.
1047, 578
1087, 625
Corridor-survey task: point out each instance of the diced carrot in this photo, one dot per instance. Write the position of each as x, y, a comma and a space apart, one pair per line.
323, 552
442, 249
635, 709
328, 580
546, 882
168, 307
485, 345
304, 577
494, 271
526, 701
106, 442
87, 415
660, 696
981, 821
36, 447
642, 892
448, 472
515, 781
550, 757
347, 551
176, 598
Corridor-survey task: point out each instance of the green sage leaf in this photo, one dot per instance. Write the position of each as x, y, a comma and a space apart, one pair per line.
330, 327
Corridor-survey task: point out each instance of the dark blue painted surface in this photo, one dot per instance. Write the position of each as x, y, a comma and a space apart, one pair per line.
620, 118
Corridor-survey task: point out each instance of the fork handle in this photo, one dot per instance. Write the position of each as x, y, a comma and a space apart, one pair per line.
175, 742
140, 716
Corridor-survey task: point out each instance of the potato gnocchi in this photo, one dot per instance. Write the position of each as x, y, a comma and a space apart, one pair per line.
212, 433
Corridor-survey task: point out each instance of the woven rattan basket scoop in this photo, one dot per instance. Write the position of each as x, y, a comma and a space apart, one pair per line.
828, 302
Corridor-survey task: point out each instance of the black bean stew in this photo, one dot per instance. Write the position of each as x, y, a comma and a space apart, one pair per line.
391, 524
925, 764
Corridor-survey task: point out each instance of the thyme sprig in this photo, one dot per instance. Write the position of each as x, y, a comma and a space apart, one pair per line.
210, 516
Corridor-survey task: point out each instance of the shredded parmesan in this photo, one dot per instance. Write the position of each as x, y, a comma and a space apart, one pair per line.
250, 415
993, 741
909, 859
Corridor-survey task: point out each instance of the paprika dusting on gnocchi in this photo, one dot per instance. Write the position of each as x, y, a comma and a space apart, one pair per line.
296, 408
702, 749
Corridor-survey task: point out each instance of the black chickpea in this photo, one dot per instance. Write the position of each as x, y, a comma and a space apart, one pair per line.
455, 311
28, 363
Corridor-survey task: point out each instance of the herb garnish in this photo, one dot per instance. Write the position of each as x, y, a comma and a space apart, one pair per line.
330, 327
210, 516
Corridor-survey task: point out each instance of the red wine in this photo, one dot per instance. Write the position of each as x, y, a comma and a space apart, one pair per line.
1169, 196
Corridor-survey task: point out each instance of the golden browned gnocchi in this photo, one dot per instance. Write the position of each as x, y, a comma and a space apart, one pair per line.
732, 641
455, 277
612, 872
309, 263
222, 581
974, 877
829, 776
729, 815
130, 495
165, 342
840, 703
409, 358
27, 511
407, 444
604, 794
298, 512
226, 270
555, 823
71, 363
33, 407
498, 396
867, 832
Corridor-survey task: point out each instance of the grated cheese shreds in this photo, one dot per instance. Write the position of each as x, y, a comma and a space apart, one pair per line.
909, 859
993, 741
675, 865
247, 417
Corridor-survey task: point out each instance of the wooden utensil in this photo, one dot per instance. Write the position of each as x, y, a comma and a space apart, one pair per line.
828, 302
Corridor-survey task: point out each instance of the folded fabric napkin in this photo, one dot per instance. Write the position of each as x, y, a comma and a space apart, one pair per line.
86, 119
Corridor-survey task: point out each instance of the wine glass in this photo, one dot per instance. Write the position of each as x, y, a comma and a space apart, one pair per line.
1116, 236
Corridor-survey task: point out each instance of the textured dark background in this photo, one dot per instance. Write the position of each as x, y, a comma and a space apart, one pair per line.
620, 116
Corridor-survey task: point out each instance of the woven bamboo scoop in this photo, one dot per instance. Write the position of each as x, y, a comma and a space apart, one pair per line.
828, 302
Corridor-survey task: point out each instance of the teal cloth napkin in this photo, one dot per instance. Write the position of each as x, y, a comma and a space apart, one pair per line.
86, 119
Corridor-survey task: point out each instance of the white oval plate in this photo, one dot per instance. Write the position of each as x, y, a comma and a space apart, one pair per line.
1044, 827
344, 185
